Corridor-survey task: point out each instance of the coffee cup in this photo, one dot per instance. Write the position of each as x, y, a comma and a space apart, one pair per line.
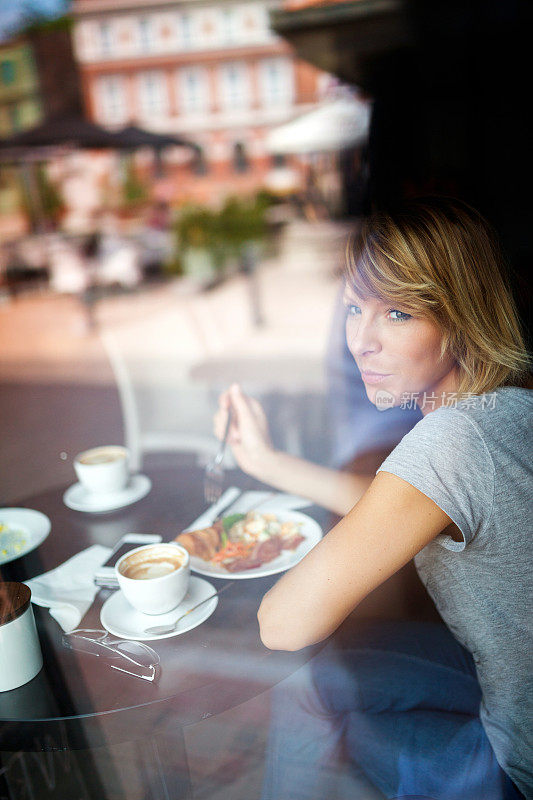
154, 577
103, 469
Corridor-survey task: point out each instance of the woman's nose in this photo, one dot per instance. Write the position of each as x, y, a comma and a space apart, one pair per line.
362, 338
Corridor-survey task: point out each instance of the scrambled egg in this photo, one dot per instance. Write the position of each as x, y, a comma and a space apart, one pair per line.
257, 527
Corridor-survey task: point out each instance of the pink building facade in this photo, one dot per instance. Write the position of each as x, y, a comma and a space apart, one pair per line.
211, 71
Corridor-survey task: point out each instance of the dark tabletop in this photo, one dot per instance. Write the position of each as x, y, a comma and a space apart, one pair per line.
216, 666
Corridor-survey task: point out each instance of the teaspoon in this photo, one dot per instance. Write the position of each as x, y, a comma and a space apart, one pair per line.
161, 630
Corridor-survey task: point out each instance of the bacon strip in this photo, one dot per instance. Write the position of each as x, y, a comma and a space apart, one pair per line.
293, 542
207, 542
261, 554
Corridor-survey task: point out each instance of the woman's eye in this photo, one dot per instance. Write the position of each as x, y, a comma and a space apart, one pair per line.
398, 316
352, 310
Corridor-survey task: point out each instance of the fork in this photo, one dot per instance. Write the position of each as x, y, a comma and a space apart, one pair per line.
214, 471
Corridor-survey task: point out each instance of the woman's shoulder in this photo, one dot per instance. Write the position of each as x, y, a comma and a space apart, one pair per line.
506, 410
439, 431
476, 426
505, 400
445, 456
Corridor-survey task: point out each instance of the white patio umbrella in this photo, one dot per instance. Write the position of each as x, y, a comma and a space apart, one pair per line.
333, 126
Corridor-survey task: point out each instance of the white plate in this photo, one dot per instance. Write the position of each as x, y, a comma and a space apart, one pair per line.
286, 559
121, 619
34, 526
79, 499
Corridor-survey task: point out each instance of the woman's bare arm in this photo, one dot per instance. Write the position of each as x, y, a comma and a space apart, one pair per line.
334, 490
390, 524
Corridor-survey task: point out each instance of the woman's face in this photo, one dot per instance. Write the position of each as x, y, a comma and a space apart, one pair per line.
398, 354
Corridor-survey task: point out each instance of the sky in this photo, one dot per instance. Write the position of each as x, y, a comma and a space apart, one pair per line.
12, 11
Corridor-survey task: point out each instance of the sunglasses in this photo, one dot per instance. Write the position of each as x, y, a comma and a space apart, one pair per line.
133, 658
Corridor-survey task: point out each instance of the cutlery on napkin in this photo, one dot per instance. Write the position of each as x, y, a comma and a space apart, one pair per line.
69, 590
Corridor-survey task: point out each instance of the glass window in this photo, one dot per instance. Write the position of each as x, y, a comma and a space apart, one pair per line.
229, 25
112, 91
279, 160
276, 81
146, 34
7, 72
240, 160
235, 86
153, 93
186, 31
14, 117
106, 39
199, 164
193, 90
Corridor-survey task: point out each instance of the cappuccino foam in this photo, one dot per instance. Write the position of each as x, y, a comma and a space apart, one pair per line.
145, 565
101, 456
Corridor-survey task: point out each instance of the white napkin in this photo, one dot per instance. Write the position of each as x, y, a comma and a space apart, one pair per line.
245, 501
69, 590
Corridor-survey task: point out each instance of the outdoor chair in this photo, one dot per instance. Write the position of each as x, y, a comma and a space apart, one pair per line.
163, 410
171, 365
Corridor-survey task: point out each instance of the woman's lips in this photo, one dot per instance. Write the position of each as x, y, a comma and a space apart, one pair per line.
373, 377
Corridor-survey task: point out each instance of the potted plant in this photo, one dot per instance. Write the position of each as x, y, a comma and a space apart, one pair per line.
212, 241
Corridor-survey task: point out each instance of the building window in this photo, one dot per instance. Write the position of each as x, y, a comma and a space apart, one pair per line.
153, 93
106, 39
146, 35
234, 86
264, 30
112, 99
193, 88
240, 160
229, 28
279, 160
15, 117
186, 31
7, 72
276, 81
199, 164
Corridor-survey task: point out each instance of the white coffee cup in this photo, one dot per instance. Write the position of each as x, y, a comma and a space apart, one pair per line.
103, 469
154, 577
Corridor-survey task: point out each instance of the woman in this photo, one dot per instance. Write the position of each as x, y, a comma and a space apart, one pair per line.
430, 320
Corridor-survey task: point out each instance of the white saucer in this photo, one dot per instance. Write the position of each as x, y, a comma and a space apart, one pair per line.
121, 619
79, 499
28, 526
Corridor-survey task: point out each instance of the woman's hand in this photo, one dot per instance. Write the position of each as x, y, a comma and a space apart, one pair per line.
253, 450
248, 436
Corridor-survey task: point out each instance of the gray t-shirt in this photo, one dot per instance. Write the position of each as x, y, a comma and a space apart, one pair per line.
475, 462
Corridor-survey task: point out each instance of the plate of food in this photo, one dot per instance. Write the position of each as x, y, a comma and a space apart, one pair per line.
21, 530
251, 545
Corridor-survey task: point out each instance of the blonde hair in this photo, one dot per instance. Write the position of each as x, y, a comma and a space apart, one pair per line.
438, 258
